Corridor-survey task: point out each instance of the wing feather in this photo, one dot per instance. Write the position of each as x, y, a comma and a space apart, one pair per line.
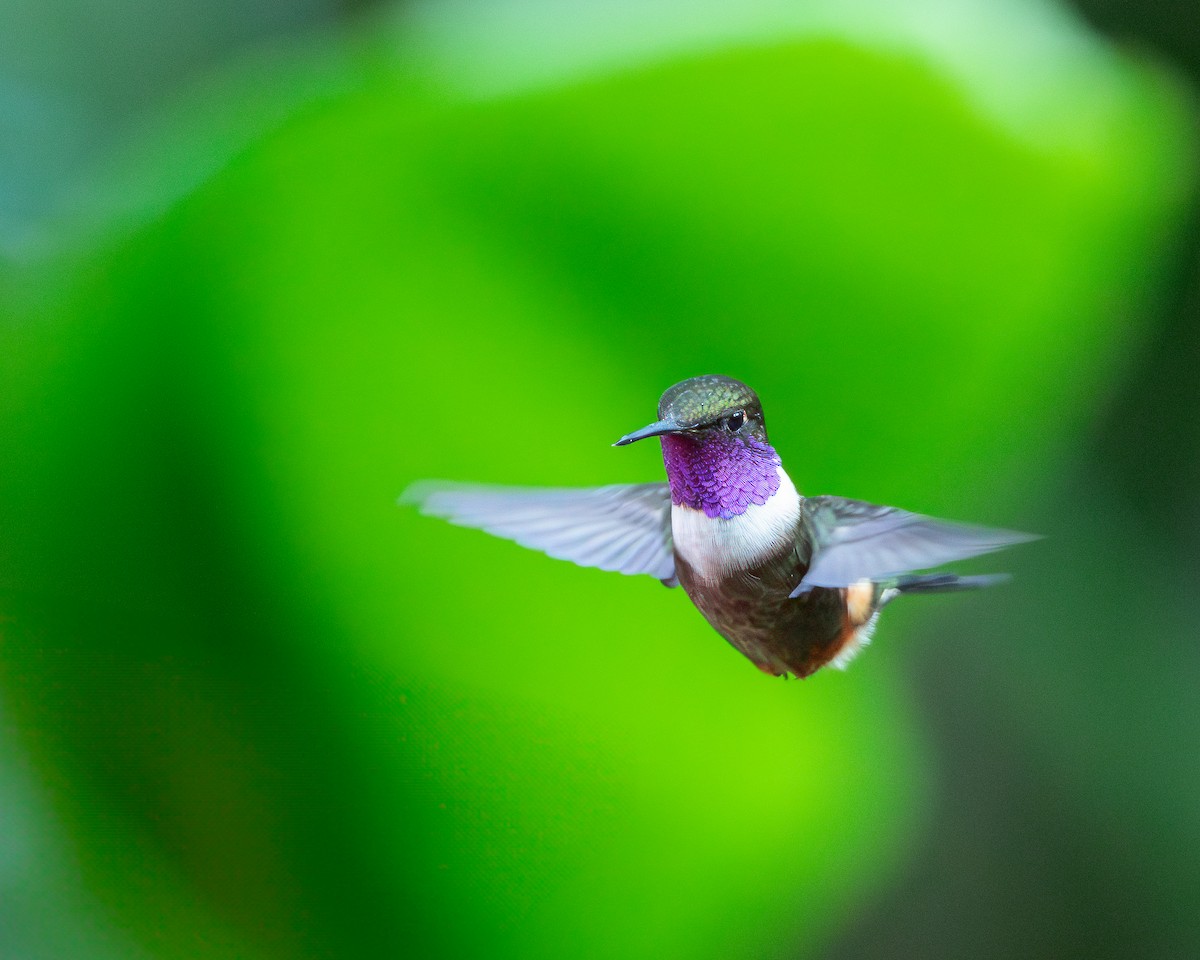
863, 541
624, 527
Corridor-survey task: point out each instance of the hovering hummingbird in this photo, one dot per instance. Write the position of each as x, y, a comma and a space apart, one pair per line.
792, 582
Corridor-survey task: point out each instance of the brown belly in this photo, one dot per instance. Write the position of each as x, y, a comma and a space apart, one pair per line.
751, 610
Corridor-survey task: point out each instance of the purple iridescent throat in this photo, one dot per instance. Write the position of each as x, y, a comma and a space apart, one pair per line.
720, 474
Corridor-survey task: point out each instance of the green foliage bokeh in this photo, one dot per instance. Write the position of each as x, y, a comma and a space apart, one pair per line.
289, 719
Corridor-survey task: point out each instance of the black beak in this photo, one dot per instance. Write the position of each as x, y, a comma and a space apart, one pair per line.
654, 430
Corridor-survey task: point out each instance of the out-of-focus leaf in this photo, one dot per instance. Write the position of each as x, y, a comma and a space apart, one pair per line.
347, 729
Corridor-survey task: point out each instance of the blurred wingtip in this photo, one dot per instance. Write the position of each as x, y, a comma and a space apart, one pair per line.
417, 494
1001, 538
1024, 536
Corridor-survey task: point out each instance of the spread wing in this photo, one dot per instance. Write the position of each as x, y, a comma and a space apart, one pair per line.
855, 541
625, 527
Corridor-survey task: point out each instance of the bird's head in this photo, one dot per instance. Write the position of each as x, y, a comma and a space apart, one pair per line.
706, 409
715, 446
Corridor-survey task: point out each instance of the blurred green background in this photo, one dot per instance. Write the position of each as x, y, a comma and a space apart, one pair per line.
264, 264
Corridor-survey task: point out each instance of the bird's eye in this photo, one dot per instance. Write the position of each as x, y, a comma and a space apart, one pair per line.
734, 423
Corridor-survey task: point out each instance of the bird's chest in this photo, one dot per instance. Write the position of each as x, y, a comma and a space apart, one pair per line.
715, 547
739, 572
751, 609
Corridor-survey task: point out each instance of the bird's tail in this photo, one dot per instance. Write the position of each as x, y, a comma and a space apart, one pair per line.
946, 582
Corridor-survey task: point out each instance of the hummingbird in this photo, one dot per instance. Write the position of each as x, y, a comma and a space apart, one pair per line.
792, 582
